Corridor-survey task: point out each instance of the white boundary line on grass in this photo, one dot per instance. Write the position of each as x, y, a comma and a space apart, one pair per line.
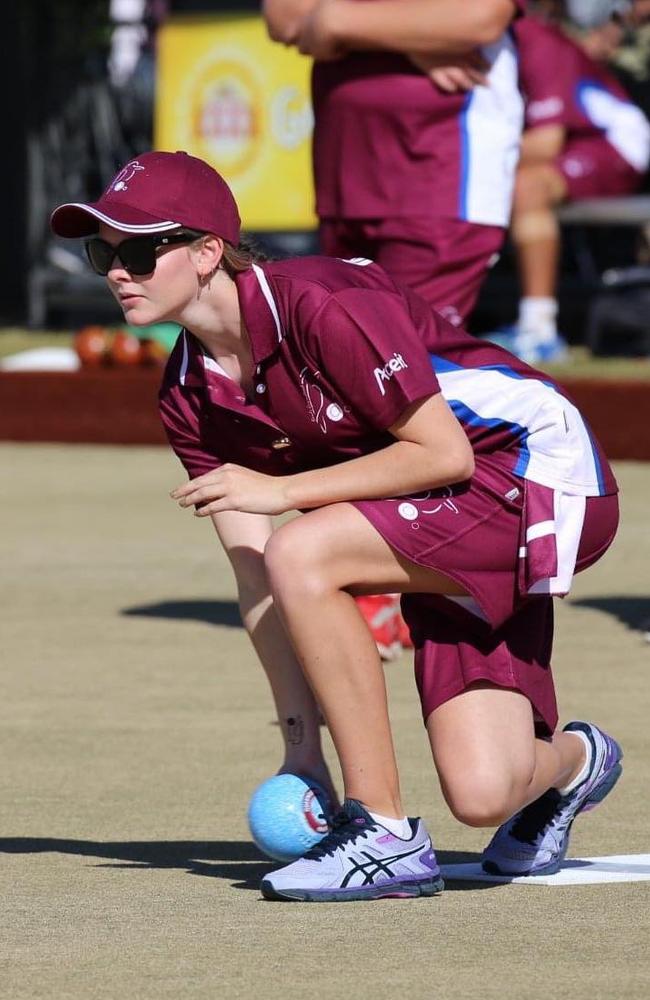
574, 871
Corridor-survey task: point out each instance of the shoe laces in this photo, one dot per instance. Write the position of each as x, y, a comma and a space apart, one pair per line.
345, 830
532, 821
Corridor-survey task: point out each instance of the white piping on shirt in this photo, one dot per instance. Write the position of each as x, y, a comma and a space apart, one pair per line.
214, 366
268, 295
185, 360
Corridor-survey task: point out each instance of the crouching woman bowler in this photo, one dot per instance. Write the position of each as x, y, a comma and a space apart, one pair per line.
425, 462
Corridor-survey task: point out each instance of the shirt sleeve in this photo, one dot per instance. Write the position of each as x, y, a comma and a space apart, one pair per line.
548, 94
371, 355
180, 417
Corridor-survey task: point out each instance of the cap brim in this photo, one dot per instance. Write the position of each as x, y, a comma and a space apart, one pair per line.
74, 220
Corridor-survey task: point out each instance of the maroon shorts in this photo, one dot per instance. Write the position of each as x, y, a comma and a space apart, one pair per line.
443, 260
471, 533
592, 168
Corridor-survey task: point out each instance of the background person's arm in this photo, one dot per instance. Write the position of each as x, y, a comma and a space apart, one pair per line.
408, 26
542, 144
284, 18
449, 71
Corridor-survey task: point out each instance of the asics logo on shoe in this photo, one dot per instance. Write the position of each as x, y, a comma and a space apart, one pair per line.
373, 867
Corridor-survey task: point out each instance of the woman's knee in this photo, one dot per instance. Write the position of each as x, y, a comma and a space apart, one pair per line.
293, 562
484, 797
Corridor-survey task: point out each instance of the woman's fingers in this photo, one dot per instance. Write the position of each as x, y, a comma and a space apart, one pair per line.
232, 487
213, 478
453, 79
200, 495
214, 507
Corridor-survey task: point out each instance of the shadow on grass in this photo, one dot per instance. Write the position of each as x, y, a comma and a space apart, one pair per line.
211, 612
633, 611
237, 861
230, 859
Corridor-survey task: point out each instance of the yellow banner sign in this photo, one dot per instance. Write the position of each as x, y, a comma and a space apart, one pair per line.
228, 94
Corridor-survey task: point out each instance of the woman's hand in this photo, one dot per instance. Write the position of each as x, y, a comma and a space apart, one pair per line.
232, 487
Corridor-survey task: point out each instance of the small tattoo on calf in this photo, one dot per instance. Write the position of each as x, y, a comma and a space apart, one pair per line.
295, 729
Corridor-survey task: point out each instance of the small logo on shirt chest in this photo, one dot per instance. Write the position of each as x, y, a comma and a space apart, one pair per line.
393, 365
318, 408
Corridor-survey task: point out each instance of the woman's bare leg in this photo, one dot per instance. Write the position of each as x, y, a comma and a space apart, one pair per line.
315, 564
244, 537
535, 230
483, 741
489, 762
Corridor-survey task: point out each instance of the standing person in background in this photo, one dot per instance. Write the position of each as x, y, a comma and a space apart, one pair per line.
416, 135
583, 138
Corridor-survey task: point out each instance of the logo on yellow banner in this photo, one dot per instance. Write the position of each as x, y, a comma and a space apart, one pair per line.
226, 104
229, 95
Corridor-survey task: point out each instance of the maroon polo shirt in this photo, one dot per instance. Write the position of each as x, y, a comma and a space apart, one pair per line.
340, 352
338, 358
387, 142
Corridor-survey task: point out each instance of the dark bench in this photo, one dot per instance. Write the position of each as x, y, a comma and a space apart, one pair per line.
579, 217
613, 323
633, 210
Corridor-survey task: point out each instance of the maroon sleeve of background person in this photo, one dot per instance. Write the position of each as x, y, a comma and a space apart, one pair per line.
549, 67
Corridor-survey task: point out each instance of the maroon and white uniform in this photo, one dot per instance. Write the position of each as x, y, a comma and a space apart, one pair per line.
607, 147
340, 352
415, 178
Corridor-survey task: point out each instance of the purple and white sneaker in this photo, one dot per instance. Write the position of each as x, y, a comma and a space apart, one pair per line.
359, 859
535, 840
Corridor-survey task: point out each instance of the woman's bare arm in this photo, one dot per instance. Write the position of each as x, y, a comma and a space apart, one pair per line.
430, 450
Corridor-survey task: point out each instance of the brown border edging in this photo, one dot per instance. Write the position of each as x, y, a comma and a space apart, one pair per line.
119, 406
103, 406
618, 412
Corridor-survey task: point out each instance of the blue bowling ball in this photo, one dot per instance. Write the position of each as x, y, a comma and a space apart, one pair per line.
287, 815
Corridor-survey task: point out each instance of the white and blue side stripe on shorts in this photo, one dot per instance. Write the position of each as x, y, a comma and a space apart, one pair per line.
554, 445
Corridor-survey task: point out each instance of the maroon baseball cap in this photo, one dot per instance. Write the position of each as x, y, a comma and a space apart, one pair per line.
154, 193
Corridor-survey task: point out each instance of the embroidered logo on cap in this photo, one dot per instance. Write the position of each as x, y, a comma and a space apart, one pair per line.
125, 175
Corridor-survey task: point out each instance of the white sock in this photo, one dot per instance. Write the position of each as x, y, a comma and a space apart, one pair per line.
584, 771
537, 320
398, 827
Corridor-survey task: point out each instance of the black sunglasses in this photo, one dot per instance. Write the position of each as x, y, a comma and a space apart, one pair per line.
137, 254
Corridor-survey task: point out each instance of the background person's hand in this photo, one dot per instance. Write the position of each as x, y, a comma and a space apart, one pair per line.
602, 42
232, 487
453, 74
284, 17
316, 35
